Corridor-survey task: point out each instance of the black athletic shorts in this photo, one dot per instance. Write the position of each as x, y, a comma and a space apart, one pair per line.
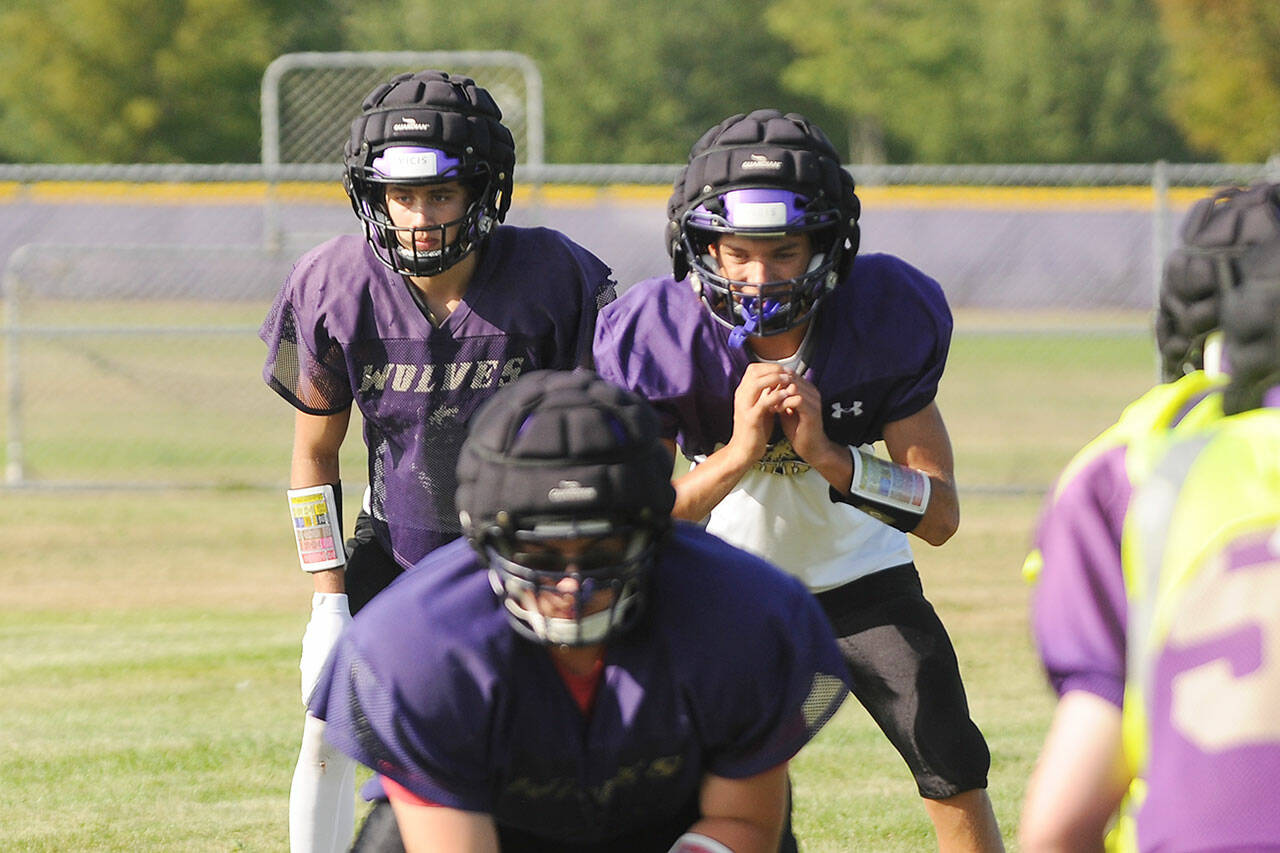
370, 568
905, 673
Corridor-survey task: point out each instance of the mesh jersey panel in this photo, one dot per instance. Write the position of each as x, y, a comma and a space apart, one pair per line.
325, 389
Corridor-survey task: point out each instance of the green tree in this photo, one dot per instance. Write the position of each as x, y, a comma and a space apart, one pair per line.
138, 81
906, 68
1225, 91
628, 81
988, 80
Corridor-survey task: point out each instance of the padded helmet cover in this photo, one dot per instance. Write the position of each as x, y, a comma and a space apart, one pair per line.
563, 445
1251, 329
453, 130
435, 109
1216, 232
764, 149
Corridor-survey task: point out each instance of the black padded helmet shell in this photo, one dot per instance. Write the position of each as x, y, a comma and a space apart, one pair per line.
449, 118
567, 458
764, 149
563, 445
762, 174
1251, 329
1216, 232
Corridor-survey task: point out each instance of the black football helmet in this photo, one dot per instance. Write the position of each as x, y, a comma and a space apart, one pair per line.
429, 127
763, 174
560, 459
1216, 233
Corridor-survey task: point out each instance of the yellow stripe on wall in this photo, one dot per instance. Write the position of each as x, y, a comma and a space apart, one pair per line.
572, 195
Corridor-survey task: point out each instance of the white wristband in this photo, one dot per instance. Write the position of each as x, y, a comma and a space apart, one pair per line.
314, 513
696, 842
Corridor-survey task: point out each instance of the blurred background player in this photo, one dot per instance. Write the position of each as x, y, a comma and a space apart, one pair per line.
1126, 595
775, 361
1215, 230
557, 682
417, 323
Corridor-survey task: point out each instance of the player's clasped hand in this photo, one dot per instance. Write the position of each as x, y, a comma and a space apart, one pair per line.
755, 403
800, 413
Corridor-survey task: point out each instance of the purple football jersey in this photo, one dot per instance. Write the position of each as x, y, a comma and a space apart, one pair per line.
1079, 606
431, 687
880, 342
346, 329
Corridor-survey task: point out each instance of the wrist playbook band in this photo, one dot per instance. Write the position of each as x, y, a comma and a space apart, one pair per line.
316, 513
886, 491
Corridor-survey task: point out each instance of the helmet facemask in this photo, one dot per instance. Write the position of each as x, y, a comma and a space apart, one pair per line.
570, 582
409, 165
769, 308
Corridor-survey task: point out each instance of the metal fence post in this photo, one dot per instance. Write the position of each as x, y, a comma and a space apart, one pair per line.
1160, 239
14, 475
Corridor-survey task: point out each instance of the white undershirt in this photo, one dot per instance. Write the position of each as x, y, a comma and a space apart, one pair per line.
788, 519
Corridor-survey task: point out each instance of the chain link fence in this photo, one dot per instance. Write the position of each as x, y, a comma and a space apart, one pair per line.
132, 296
310, 99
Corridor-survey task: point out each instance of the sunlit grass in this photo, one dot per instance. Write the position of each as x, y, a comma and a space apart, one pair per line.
149, 639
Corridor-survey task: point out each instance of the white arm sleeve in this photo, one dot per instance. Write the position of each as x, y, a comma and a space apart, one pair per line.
330, 614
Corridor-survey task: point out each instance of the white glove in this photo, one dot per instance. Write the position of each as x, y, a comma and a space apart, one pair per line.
330, 614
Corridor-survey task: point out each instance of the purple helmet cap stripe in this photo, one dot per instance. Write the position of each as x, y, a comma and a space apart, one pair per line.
761, 208
415, 163
754, 209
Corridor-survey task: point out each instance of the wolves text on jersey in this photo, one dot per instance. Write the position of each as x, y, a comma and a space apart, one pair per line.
661, 770
426, 378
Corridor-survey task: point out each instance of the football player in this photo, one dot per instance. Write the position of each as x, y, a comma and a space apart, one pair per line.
1188, 338
776, 362
557, 681
1090, 594
416, 323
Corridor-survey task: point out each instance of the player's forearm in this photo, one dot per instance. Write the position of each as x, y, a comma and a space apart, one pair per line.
832, 461
702, 488
900, 495
746, 815
313, 469
942, 517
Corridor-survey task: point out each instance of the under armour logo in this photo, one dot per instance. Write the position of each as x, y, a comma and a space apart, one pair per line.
838, 411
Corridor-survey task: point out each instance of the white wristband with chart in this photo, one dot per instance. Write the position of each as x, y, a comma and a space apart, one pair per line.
314, 513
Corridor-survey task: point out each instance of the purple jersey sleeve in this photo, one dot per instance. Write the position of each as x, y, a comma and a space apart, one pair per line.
432, 688
345, 329
881, 343
306, 364
386, 689
1079, 606
894, 320
762, 663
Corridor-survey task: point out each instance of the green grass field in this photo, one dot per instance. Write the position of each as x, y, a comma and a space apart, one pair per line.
149, 638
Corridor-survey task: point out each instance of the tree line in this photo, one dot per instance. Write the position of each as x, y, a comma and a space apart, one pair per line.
637, 81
